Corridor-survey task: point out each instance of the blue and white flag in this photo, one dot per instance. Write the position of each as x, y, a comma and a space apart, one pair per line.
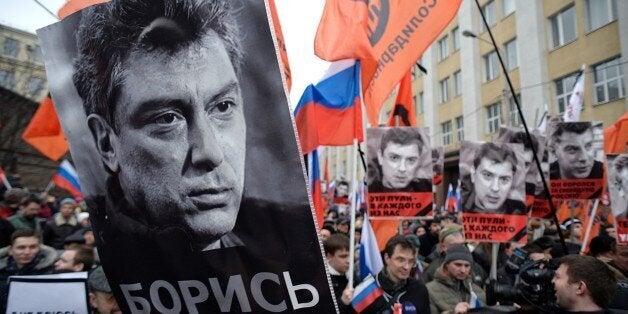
370, 258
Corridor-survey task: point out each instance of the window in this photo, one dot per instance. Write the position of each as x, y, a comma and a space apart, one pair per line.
442, 49
491, 66
457, 83
419, 102
508, 6
489, 13
446, 131
34, 85
460, 129
455, 38
511, 55
564, 87
493, 117
513, 113
444, 90
36, 54
608, 81
563, 27
11, 47
601, 12
7, 79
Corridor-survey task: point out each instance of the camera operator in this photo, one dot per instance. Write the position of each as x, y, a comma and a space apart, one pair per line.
583, 284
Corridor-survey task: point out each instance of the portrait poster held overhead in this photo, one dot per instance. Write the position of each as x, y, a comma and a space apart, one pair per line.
438, 165
399, 172
530, 170
618, 189
176, 123
493, 191
576, 160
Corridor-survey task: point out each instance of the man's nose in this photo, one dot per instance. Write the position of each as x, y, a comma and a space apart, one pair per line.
402, 166
204, 146
495, 184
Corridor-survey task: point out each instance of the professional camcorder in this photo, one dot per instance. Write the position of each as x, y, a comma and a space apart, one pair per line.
532, 286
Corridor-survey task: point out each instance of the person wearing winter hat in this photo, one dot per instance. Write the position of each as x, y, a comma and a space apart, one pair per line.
452, 288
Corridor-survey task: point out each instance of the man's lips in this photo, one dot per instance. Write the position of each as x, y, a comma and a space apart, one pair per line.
210, 198
492, 199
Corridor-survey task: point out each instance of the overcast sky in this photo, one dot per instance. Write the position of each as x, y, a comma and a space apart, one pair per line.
298, 21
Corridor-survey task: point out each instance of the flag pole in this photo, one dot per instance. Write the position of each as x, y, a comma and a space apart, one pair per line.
5, 181
525, 127
50, 185
352, 203
587, 234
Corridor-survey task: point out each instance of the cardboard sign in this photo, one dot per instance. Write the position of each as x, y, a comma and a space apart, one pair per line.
180, 131
399, 172
61, 293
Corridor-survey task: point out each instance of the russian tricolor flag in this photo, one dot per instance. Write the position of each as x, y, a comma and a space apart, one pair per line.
370, 259
365, 294
330, 112
67, 179
315, 186
451, 199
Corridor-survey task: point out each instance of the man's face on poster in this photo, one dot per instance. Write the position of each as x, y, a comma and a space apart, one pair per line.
492, 182
575, 154
399, 164
180, 144
621, 179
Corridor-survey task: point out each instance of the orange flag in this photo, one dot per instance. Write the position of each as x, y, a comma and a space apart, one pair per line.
72, 6
282, 44
44, 131
388, 36
404, 105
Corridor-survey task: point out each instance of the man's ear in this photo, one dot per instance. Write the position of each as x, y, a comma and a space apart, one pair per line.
92, 300
78, 267
105, 140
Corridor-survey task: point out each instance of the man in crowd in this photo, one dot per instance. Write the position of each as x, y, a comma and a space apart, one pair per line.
452, 288
493, 177
430, 239
399, 156
337, 254
26, 217
572, 144
25, 256
604, 248
62, 224
583, 284
450, 236
100, 296
77, 257
395, 280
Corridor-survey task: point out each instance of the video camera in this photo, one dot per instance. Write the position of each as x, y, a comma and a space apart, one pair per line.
532, 286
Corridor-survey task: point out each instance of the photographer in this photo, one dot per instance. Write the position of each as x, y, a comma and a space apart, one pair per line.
583, 284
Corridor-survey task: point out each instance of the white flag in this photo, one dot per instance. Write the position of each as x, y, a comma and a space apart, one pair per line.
576, 100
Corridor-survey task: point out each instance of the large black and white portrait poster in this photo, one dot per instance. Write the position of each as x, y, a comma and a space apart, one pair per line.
180, 131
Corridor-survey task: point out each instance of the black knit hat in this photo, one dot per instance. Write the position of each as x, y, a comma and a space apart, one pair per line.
458, 252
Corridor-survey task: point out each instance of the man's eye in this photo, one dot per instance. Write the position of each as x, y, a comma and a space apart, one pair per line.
167, 118
225, 106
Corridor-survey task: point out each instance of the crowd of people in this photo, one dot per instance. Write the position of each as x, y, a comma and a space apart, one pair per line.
41, 235
430, 268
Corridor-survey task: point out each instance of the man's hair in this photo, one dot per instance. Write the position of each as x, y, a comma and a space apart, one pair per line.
496, 154
336, 242
84, 254
30, 198
532, 248
398, 240
602, 244
521, 138
109, 33
402, 136
572, 127
599, 279
23, 233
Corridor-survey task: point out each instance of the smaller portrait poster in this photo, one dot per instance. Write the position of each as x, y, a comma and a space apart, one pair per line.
534, 143
493, 191
438, 164
579, 217
576, 160
399, 174
618, 190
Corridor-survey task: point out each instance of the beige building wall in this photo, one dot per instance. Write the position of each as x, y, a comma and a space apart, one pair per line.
21, 63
